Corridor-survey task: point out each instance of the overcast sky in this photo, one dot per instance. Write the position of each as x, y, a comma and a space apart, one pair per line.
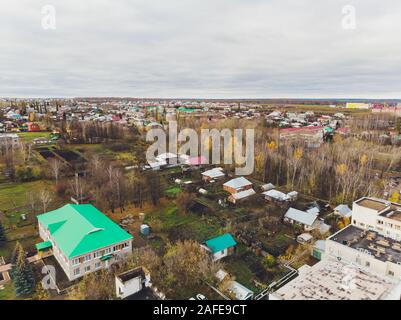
201, 49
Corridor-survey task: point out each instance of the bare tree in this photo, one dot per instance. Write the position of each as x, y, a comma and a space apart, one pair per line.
45, 198
77, 188
56, 165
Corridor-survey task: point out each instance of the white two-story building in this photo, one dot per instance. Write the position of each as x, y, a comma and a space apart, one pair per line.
372, 240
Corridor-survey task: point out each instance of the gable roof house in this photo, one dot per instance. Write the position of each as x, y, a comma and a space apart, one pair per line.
237, 185
306, 219
343, 210
221, 246
82, 239
276, 196
213, 174
240, 189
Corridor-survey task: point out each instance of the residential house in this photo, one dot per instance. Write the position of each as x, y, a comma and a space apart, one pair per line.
213, 174
343, 210
241, 196
239, 188
197, 161
304, 238
221, 246
305, 219
82, 239
267, 187
237, 185
276, 196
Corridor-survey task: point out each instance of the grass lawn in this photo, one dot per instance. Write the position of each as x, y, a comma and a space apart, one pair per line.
205, 230
172, 191
170, 217
29, 136
14, 194
28, 243
241, 271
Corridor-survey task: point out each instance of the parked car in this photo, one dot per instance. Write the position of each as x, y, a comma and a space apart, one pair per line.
200, 297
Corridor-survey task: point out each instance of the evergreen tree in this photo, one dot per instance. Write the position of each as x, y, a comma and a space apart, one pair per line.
2, 235
22, 274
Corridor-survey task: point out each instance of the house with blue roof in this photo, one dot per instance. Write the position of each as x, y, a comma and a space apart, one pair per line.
221, 246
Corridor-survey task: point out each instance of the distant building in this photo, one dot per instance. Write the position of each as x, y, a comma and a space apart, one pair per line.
213, 174
312, 136
276, 196
357, 105
237, 185
9, 140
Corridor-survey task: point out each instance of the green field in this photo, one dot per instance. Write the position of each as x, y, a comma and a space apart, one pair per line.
172, 191
13, 195
29, 136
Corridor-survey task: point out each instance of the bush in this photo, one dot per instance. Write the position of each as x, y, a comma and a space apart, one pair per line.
269, 261
24, 174
61, 189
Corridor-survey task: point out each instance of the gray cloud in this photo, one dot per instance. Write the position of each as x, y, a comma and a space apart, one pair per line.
201, 48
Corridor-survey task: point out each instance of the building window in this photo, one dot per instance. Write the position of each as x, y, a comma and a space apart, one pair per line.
120, 246
98, 265
87, 268
87, 258
77, 271
391, 273
367, 264
75, 261
96, 254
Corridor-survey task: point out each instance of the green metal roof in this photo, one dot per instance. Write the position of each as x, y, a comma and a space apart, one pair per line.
220, 243
80, 228
43, 245
183, 109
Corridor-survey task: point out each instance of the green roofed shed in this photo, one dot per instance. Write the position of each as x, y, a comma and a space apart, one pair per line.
77, 229
220, 243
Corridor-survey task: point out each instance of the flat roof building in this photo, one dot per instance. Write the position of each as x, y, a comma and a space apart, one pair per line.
331, 279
